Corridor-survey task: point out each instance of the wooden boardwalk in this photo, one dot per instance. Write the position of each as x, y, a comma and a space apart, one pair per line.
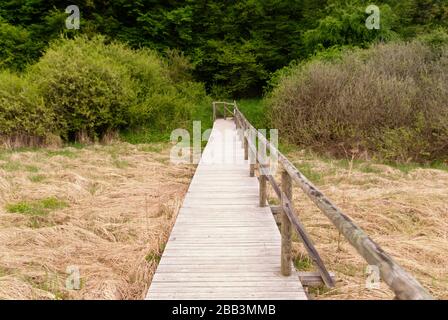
223, 244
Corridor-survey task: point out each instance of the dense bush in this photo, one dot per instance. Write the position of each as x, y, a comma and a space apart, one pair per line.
389, 100
165, 91
16, 47
84, 89
88, 91
24, 119
345, 26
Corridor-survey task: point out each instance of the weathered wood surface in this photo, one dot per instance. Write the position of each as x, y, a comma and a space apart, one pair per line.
402, 283
223, 244
313, 279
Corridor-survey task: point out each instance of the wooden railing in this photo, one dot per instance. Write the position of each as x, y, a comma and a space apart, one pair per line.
400, 282
225, 109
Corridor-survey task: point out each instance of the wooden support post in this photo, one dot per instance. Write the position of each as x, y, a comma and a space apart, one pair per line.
241, 132
286, 228
234, 108
240, 127
237, 124
246, 147
252, 164
263, 189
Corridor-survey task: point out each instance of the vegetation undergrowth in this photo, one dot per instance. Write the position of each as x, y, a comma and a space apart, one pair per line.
387, 102
36, 207
85, 90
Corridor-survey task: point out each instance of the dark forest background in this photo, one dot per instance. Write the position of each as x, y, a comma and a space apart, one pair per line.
235, 46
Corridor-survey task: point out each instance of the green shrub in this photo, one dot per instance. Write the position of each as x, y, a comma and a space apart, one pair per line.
24, 118
345, 26
84, 89
165, 92
436, 39
144, 67
160, 111
36, 207
17, 48
179, 66
232, 69
388, 101
89, 92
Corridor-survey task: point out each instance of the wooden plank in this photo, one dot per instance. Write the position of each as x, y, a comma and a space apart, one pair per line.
228, 296
224, 289
313, 279
217, 260
225, 284
183, 277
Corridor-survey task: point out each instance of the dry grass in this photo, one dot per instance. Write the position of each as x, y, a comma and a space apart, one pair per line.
119, 202
115, 206
406, 213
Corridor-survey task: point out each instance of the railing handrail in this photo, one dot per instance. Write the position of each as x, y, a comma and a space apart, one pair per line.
399, 281
225, 104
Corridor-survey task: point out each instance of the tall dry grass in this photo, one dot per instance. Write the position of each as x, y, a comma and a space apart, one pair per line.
388, 101
404, 212
113, 227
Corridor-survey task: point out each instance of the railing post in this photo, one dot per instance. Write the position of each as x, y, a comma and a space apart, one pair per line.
214, 112
237, 124
234, 108
286, 227
224, 111
263, 188
246, 146
252, 160
252, 155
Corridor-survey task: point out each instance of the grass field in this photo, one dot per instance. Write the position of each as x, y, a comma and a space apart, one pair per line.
402, 208
106, 210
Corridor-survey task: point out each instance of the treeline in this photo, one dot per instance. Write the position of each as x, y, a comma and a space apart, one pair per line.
87, 90
235, 46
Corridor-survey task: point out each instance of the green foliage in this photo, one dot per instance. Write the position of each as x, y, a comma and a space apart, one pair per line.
256, 112
387, 101
232, 70
37, 178
345, 26
23, 114
16, 47
164, 90
89, 92
437, 39
83, 89
36, 207
234, 45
